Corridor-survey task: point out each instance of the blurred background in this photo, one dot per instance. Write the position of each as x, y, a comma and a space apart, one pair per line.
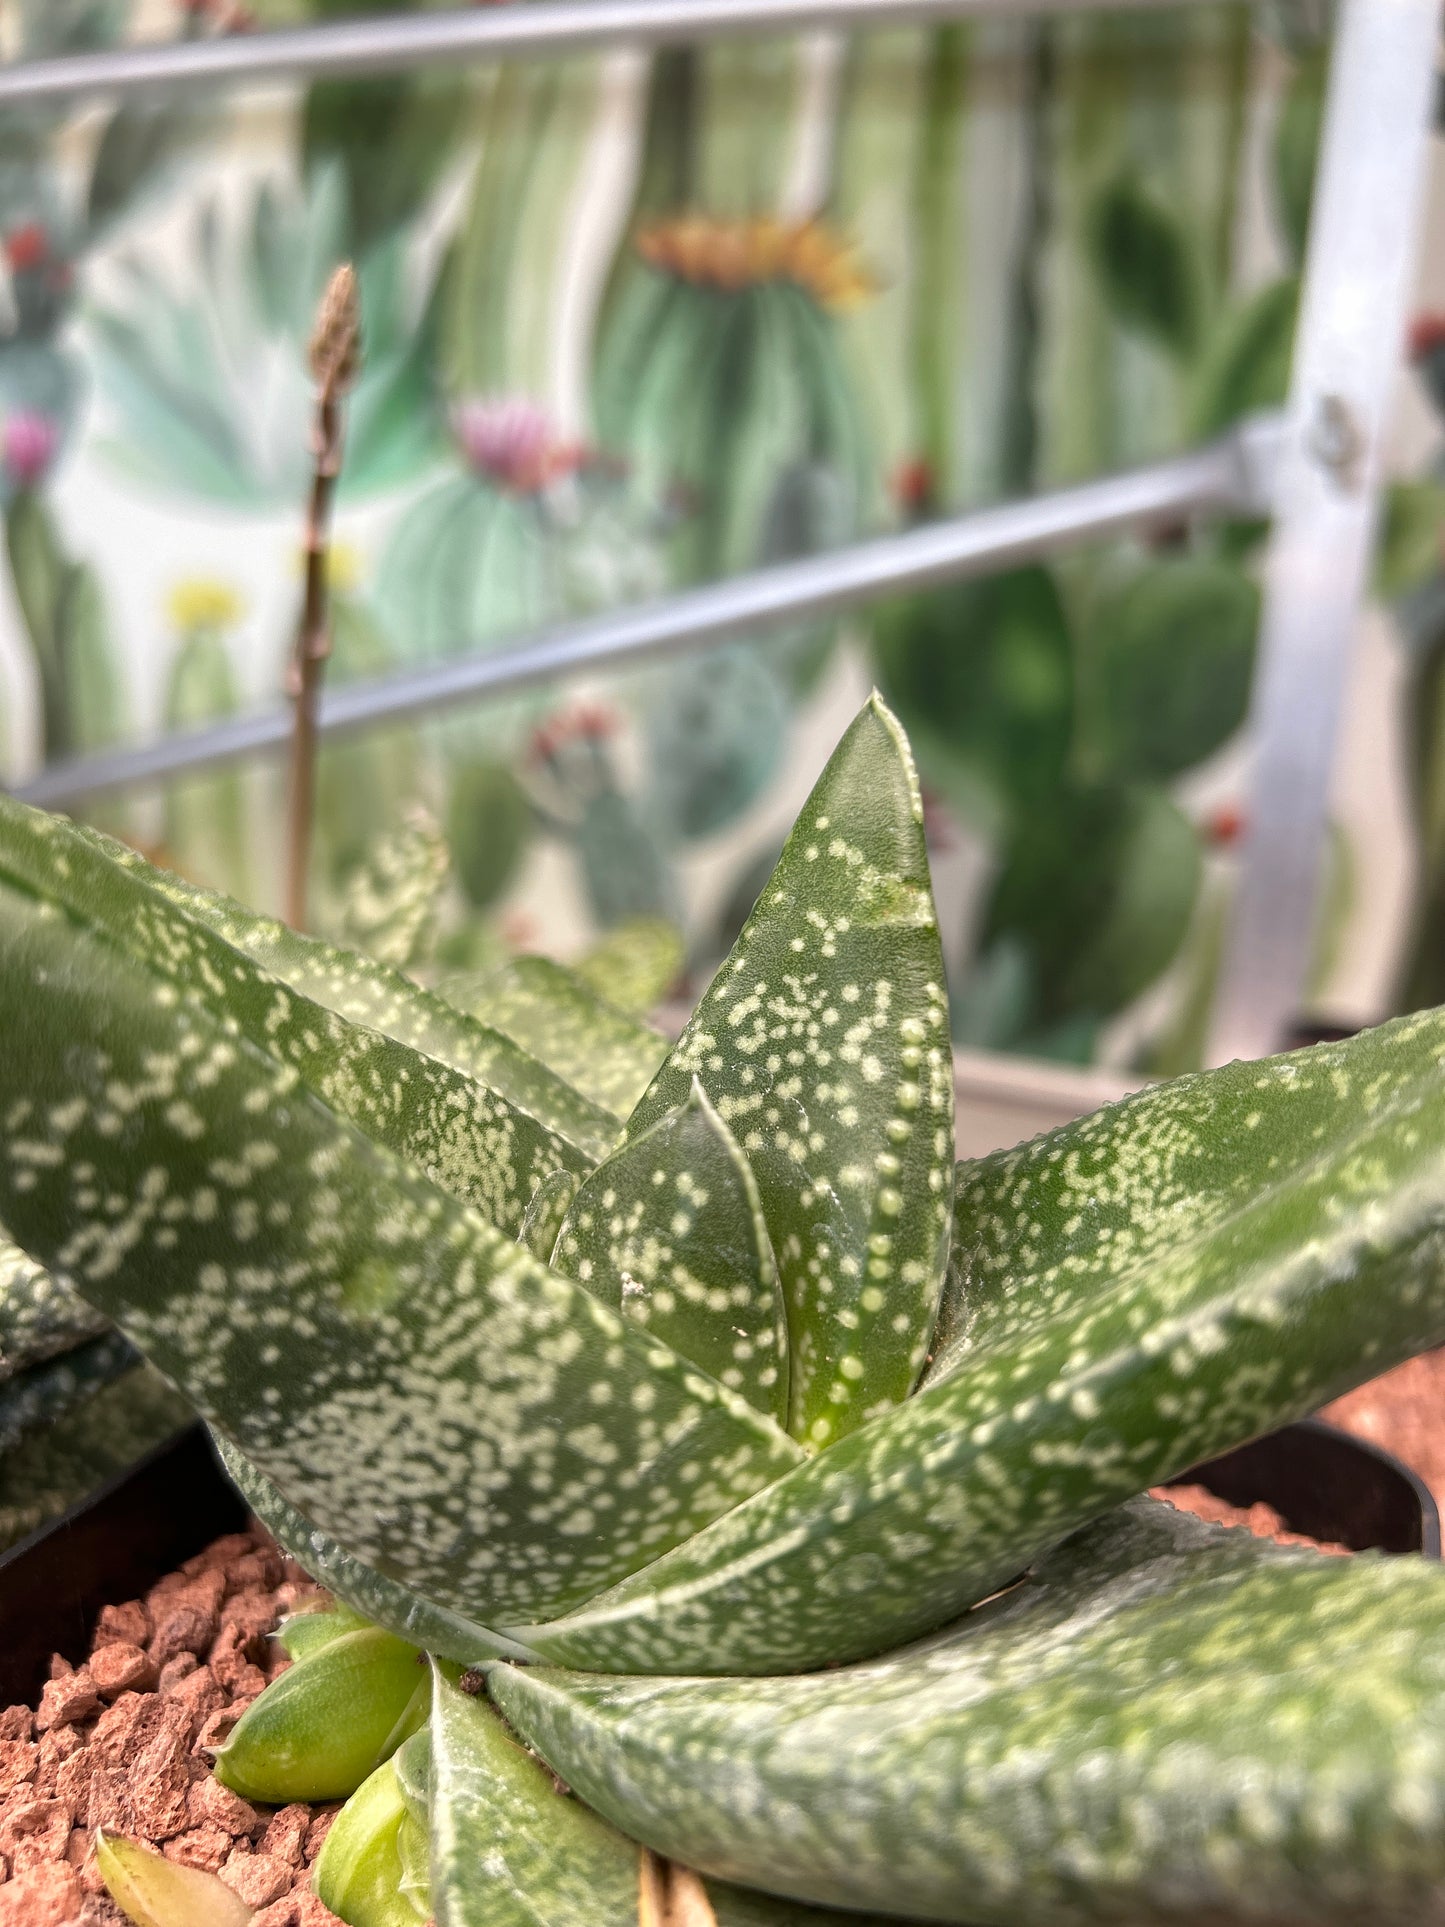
635, 322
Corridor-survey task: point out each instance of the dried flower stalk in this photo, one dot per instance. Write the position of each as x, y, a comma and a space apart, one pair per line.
335, 359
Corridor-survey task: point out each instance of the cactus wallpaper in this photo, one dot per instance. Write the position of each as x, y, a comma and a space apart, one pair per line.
635, 322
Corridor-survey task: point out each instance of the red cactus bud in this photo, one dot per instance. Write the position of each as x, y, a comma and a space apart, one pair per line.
1224, 826
27, 247
1427, 333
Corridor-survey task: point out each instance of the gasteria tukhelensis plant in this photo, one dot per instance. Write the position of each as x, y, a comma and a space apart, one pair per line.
682, 1404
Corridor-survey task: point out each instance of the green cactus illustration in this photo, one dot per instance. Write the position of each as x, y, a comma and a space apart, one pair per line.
206, 817
204, 383
60, 605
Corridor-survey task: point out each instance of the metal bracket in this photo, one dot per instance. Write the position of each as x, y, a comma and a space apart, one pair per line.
1369, 199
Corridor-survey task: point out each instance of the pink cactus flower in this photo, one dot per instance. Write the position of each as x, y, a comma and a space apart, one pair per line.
28, 442
508, 440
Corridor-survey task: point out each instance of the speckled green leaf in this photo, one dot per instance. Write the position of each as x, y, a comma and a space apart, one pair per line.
546, 1213
547, 1009
39, 1316
358, 1872
329, 1721
59, 1464
38, 1395
823, 1044
634, 966
366, 991
509, 1849
1167, 1722
473, 1141
368, 1597
389, 907
1128, 1296
669, 1230
470, 1425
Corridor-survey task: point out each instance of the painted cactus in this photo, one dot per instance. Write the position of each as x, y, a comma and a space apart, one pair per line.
685, 1421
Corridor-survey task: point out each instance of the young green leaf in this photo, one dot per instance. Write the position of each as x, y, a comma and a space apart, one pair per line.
544, 1217
154, 1892
39, 1317
823, 1044
358, 1872
471, 1140
547, 1009
371, 993
670, 1231
390, 905
1166, 1721
328, 1722
1129, 1295
307, 1632
382, 1350
509, 1849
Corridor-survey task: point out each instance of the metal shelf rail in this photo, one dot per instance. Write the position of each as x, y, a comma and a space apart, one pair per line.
1315, 470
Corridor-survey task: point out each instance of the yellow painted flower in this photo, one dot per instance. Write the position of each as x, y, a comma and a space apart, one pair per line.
203, 602
733, 254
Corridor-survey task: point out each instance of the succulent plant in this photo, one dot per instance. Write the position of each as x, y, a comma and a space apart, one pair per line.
685, 1421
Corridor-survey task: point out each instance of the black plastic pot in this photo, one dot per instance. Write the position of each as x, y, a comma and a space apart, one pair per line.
1322, 1482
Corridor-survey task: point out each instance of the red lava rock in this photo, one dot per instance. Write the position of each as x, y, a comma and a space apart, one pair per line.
296, 1910
215, 1805
219, 1553
207, 1847
127, 1625
108, 1804
41, 1897
1262, 1520
184, 1624
161, 1785
175, 1670
18, 1761
259, 1878
217, 1728
120, 1667
251, 1615
121, 1741
33, 1832
198, 1696
73, 1777
285, 1834
66, 1699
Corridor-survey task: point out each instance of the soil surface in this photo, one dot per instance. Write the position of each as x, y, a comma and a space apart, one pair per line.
1260, 1519
123, 1741
1403, 1412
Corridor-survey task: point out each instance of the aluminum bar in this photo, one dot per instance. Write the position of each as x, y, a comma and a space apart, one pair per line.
1369, 199
1231, 475
516, 31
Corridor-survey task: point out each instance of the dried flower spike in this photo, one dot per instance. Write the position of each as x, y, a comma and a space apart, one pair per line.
336, 338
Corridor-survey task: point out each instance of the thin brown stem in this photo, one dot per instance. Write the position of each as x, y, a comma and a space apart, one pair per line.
669, 1895
335, 354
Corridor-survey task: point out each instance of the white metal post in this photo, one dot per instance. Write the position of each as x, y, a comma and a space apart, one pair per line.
1359, 266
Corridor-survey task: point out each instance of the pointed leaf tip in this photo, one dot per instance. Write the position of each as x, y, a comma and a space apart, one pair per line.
154, 1892
822, 1043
